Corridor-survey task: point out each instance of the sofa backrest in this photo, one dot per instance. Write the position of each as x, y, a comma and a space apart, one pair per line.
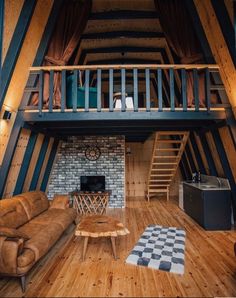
16, 211
34, 203
12, 213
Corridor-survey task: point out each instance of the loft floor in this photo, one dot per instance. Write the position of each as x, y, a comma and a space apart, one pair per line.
210, 265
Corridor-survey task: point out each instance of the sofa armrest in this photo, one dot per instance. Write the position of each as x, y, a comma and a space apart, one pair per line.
60, 202
10, 249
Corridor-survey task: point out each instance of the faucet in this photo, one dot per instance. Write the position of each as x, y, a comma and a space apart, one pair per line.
219, 181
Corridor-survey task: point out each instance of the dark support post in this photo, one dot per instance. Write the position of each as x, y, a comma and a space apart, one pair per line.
190, 158
197, 154
39, 164
123, 91
41, 86
74, 90
207, 91
63, 90
99, 85
111, 99
196, 89
51, 89
184, 89
135, 75
49, 166
159, 84
10, 150
87, 72
226, 166
147, 77
208, 154
172, 90
25, 164
234, 4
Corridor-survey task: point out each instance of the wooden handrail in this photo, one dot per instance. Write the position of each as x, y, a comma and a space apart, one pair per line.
126, 66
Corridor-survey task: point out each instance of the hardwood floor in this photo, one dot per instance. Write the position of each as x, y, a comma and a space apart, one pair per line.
210, 264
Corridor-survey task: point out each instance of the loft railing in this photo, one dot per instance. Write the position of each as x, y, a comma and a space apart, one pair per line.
138, 88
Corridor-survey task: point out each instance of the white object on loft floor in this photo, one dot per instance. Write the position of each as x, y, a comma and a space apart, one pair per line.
128, 103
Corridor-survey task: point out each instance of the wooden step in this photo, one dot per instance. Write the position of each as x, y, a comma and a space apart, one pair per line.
169, 141
166, 156
162, 170
161, 175
164, 163
167, 149
160, 180
158, 190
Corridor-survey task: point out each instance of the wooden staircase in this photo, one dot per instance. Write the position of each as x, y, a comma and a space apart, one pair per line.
167, 152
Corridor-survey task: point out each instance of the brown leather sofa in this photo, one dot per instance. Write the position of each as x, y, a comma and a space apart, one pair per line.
29, 227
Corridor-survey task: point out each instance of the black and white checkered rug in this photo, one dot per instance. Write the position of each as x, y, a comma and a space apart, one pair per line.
160, 248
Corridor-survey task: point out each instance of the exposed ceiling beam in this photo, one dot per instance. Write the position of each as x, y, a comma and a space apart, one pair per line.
218, 47
122, 34
123, 15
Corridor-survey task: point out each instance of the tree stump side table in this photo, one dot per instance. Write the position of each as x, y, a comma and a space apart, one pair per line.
100, 226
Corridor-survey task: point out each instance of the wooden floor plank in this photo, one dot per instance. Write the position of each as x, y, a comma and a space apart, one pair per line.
210, 264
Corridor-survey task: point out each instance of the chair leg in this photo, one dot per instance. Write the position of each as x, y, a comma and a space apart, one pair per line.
23, 283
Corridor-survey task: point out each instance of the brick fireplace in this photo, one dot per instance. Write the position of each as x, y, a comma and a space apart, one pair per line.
71, 163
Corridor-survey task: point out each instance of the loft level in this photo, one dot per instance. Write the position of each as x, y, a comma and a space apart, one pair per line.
120, 92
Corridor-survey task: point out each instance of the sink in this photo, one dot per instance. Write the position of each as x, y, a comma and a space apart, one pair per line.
208, 186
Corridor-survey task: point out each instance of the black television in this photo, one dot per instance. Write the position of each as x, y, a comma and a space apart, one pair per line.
92, 183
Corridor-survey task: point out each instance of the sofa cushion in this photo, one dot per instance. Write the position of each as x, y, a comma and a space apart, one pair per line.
13, 233
63, 217
34, 203
12, 213
44, 240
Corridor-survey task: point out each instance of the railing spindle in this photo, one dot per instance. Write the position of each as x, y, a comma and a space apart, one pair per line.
123, 93
74, 91
41, 85
135, 77
111, 99
207, 89
184, 89
86, 104
51, 89
172, 90
147, 79
63, 90
99, 86
159, 86
196, 89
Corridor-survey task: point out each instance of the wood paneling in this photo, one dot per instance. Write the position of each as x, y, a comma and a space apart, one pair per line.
45, 163
218, 47
229, 148
33, 161
12, 9
215, 155
209, 261
16, 163
137, 165
25, 59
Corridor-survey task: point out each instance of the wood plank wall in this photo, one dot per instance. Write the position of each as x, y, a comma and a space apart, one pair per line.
137, 166
12, 9
16, 163
26, 57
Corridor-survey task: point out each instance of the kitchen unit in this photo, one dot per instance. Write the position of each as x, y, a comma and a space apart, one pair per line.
209, 202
